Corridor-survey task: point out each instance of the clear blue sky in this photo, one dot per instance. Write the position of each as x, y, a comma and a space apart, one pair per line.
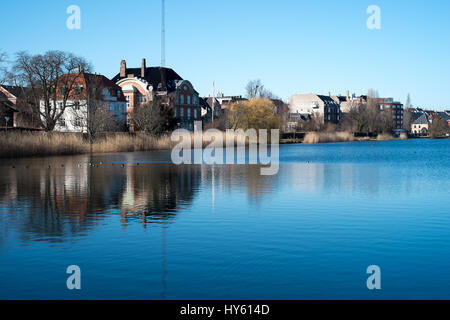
293, 46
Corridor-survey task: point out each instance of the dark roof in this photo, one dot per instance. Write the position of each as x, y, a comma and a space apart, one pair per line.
415, 116
327, 99
112, 87
341, 98
15, 91
444, 116
204, 103
7, 106
154, 76
422, 119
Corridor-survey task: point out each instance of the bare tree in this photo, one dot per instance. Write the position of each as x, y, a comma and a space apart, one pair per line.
155, 118
313, 123
368, 118
372, 93
373, 114
356, 118
439, 127
3, 68
255, 89
407, 119
94, 116
48, 78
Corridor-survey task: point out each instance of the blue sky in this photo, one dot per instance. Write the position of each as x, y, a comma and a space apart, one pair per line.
293, 46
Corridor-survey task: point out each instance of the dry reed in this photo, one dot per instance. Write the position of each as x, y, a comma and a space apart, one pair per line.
17, 145
328, 137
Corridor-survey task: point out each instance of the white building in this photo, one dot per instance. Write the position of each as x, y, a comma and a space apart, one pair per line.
312, 104
75, 116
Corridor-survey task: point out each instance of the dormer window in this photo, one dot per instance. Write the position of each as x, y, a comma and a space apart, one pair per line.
78, 90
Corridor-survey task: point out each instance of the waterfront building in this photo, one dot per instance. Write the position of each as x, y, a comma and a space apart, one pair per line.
307, 105
146, 84
394, 110
420, 126
80, 101
14, 109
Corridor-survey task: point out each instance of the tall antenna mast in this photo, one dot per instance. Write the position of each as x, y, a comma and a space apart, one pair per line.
213, 101
163, 34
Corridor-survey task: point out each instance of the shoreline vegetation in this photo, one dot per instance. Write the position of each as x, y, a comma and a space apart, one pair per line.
42, 144
20, 145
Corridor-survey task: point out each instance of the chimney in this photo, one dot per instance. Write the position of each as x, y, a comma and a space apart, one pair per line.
123, 69
143, 67
347, 95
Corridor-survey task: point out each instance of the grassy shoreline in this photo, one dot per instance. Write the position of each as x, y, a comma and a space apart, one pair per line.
21, 145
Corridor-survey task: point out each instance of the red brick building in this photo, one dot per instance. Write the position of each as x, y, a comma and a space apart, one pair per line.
14, 108
145, 84
395, 110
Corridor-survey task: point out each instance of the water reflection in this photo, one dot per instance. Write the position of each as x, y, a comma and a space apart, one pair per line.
68, 197
56, 199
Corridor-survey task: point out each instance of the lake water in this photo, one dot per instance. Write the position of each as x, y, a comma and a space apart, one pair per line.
153, 230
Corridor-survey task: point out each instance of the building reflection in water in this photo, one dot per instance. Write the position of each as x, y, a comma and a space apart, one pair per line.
71, 197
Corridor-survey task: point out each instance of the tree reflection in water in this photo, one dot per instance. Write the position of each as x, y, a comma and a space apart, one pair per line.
57, 199
57, 203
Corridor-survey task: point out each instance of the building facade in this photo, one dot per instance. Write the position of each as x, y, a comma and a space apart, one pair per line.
311, 104
13, 103
147, 84
80, 103
420, 126
395, 111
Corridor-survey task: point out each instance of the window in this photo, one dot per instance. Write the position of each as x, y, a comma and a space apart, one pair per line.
63, 90
78, 90
61, 122
181, 112
175, 112
195, 113
188, 113
182, 99
77, 122
76, 105
188, 99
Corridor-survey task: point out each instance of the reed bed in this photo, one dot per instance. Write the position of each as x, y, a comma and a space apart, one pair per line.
328, 137
385, 137
17, 145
